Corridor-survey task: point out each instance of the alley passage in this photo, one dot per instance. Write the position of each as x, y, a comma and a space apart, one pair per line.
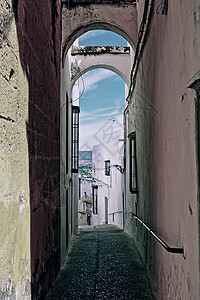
103, 264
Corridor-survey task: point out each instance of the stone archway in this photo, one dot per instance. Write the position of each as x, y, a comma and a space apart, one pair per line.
118, 18
97, 57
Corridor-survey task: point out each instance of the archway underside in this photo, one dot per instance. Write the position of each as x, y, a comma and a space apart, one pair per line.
103, 66
117, 18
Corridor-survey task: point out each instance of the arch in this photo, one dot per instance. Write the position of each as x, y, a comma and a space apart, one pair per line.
96, 26
117, 18
103, 66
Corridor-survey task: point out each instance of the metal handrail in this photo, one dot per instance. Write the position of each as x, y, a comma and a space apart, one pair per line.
116, 212
168, 248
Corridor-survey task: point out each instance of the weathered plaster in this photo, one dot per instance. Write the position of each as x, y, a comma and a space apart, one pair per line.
29, 153
164, 109
121, 19
85, 203
14, 189
116, 60
96, 50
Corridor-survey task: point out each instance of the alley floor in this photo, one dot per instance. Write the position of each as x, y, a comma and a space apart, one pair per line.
103, 263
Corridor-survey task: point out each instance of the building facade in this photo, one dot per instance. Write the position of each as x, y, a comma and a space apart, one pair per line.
107, 186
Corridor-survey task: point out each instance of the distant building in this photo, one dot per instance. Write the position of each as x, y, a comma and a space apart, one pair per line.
107, 185
85, 163
85, 201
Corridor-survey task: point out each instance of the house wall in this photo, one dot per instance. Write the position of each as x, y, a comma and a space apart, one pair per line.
65, 162
69, 182
30, 147
15, 273
130, 200
165, 113
85, 203
113, 187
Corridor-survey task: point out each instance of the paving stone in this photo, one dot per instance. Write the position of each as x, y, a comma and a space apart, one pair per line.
103, 263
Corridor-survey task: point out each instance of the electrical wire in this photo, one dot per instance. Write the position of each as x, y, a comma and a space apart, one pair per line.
162, 7
142, 37
159, 7
83, 83
82, 93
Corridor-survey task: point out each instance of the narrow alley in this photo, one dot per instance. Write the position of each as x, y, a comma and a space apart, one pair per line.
100, 127
103, 263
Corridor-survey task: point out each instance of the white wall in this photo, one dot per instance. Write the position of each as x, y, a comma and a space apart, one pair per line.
68, 181
108, 186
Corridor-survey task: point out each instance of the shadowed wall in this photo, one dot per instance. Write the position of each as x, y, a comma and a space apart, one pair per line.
38, 29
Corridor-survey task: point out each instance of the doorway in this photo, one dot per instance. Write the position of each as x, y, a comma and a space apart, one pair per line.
106, 210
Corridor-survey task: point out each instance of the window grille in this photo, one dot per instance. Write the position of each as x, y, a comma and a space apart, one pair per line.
67, 132
107, 167
75, 138
95, 199
133, 186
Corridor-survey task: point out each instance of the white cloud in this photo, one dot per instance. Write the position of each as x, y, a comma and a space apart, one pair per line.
106, 108
92, 79
100, 132
91, 34
85, 118
115, 112
95, 115
100, 112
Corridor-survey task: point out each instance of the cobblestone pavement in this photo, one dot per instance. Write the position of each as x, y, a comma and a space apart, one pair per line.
103, 263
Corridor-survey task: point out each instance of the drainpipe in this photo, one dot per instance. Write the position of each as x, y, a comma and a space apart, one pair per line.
125, 135
142, 38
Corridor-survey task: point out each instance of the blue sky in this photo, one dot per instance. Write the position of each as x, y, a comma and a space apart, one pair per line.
101, 38
103, 98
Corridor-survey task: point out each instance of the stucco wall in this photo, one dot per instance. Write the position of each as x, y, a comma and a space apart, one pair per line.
14, 165
166, 148
68, 181
112, 59
30, 145
131, 200
120, 18
65, 154
113, 187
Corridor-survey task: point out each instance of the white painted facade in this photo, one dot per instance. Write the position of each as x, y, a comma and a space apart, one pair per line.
68, 180
117, 60
110, 187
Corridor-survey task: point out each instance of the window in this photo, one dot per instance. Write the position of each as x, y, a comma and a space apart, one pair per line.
67, 128
107, 167
95, 199
133, 164
75, 138
79, 180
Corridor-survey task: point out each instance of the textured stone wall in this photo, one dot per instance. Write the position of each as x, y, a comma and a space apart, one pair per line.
14, 165
166, 147
30, 141
38, 28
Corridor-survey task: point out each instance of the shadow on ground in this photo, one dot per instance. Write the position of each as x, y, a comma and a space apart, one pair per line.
103, 263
